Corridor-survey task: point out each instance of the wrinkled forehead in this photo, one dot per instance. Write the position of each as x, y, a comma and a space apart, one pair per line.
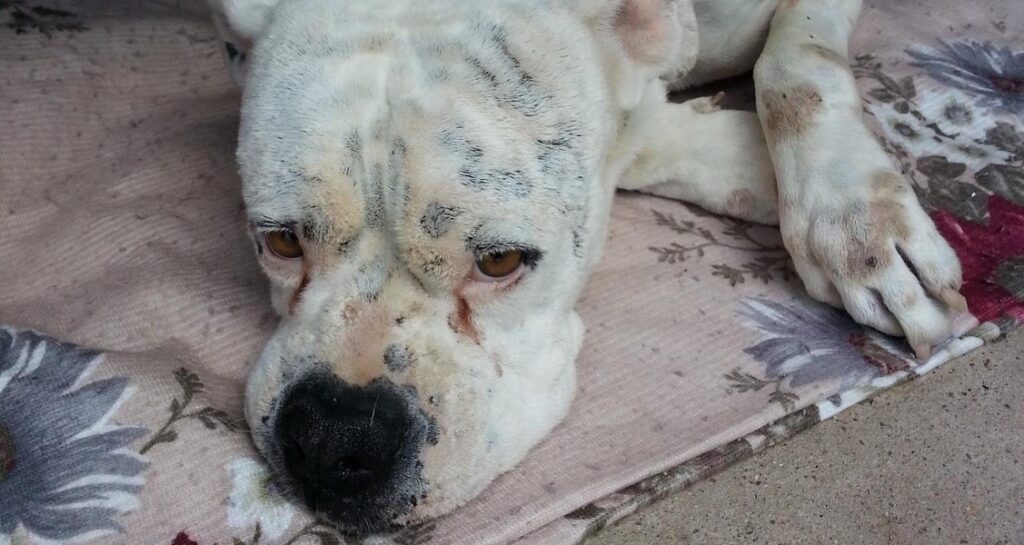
393, 108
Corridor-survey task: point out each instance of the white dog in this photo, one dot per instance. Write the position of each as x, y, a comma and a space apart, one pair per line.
429, 181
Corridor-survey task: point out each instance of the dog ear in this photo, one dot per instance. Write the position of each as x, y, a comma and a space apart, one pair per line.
642, 40
245, 18
239, 23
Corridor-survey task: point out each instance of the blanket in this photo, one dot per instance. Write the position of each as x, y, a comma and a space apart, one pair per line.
134, 306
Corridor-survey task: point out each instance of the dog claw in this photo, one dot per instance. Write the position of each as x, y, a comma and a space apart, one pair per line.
707, 104
923, 350
953, 299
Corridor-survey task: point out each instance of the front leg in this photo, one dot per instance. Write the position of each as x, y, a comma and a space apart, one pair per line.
856, 232
716, 159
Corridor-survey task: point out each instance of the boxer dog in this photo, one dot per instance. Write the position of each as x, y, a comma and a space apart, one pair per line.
428, 185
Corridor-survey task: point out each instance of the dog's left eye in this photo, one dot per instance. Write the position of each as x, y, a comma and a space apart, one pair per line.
499, 265
283, 244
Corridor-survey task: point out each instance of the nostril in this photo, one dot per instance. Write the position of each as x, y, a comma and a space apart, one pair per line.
356, 471
355, 464
293, 450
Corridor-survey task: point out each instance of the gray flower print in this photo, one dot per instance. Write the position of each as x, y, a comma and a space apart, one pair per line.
64, 469
809, 342
993, 74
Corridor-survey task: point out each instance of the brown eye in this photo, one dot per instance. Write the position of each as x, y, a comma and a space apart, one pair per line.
284, 244
499, 265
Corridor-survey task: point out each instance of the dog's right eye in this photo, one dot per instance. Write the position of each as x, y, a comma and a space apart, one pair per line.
499, 265
283, 244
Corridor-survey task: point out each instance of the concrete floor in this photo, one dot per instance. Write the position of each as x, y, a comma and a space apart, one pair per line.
934, 462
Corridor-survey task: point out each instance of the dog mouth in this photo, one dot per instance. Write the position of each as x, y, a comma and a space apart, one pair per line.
350, 454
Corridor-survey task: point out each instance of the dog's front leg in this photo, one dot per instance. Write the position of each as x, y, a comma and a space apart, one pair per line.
857, 234
713, 158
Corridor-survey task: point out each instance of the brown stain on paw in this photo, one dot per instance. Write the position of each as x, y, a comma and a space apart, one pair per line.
791, 112
864, 259
873, 231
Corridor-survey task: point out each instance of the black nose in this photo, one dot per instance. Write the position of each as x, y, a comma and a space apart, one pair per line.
352, 452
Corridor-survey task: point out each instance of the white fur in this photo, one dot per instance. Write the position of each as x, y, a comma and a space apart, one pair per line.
396, 135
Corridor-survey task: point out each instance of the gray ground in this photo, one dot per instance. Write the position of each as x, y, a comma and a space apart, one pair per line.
934, 462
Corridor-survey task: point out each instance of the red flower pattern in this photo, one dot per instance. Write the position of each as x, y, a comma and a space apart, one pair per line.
183, 539
983, 248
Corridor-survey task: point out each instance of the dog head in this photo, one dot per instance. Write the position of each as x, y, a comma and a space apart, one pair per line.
427, 185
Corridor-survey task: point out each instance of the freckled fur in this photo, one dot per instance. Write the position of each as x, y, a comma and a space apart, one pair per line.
400, 136
438, 219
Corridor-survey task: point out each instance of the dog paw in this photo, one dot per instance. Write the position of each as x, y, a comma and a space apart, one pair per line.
878, 255
706, 105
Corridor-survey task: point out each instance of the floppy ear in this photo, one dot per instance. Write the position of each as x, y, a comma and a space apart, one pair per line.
239, 23
246, 18
641, 40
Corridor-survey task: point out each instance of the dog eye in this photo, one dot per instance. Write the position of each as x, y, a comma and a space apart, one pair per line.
499, 265
283, 244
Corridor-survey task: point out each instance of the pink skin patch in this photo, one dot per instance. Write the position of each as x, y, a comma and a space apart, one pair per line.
641, 29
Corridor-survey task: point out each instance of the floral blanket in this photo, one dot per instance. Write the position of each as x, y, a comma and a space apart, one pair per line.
121, 236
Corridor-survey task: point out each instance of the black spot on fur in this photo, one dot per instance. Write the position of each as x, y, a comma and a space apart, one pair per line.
483, 73
500, 70
316, 226
455, 141
398, 358
509, 182
371, 279
396, 166
438, 219
560, 156
433, 431
354, 144
577, 243
501, 40
374, 190
355, 169
435, 266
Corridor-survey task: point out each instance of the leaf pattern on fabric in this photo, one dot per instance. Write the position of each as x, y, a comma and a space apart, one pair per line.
210, 417
65, 472
771, 261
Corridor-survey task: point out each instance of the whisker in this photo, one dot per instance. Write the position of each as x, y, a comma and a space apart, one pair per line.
373, 412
